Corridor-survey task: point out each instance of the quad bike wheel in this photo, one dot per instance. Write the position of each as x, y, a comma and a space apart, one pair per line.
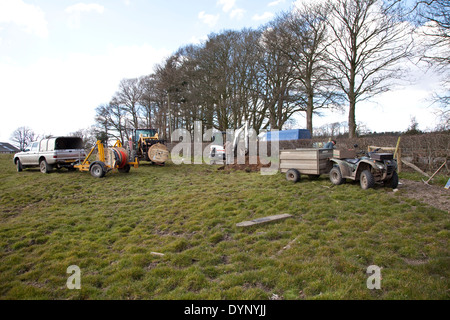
336, 176
367, 180
393, 181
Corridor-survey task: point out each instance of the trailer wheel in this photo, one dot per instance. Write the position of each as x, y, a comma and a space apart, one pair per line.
367, 180
97, 170
45, 167
293, 175
125, 169
19, 165
336, 176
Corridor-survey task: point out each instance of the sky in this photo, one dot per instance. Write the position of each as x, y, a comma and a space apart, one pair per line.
59, 60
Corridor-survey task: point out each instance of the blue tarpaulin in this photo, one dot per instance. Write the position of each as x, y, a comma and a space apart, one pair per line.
293, 134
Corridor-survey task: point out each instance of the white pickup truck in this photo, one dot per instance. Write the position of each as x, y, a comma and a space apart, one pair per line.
48, 154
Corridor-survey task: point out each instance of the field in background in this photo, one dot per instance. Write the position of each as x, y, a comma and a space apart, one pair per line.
109, 227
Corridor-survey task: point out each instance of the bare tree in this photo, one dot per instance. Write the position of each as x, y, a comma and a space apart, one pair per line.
370, 42
148, 101
306, 33
433, 19
277, 78
111, 118
130, 95
170, 85
22, 137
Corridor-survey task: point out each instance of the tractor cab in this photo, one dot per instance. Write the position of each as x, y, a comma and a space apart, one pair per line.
142, 135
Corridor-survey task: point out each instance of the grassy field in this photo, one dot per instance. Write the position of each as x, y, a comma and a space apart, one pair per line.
109, 227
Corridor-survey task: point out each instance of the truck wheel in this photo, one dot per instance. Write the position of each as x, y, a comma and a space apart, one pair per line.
367, 180
293, 175
336, 176
45, 167
393, 181
19, 166
97, 170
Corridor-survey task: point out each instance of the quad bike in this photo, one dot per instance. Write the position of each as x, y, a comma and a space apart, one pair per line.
369, 168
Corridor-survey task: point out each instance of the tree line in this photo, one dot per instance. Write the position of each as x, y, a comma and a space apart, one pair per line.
327, 55
324, 55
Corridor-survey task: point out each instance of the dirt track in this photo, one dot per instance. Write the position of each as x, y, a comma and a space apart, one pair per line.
436, 196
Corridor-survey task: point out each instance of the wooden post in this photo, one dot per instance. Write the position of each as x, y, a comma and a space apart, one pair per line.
436, 172
398, 146
415, 168
263, 220
399, 160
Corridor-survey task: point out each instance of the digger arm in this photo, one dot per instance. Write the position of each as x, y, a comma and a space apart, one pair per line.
244, 129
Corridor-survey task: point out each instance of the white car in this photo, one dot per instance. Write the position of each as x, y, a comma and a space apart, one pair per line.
48, 154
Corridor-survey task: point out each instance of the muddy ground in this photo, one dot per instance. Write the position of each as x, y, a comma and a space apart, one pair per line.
246, 167
436, 196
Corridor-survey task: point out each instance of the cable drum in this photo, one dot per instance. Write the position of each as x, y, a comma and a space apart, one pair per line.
158, 153
120, 156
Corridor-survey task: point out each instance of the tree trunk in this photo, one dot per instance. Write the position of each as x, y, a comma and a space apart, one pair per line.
309, 113
352, 119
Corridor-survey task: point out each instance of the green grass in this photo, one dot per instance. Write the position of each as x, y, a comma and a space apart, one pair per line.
109, 227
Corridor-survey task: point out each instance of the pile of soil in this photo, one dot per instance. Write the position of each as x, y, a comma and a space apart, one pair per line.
247, 167
436, 196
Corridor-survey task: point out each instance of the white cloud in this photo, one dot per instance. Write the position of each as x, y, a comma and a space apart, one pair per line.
76, 10
237, 13
264, 16
62, 94
209, 19
275, 3
83, 7
27, 16
227, 5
